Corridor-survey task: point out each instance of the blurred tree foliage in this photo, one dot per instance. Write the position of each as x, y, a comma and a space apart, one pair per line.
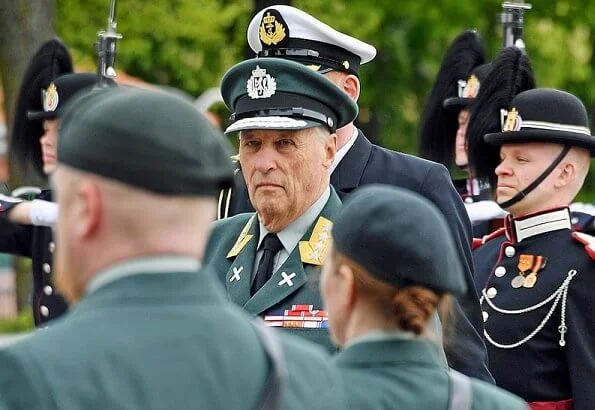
189, 44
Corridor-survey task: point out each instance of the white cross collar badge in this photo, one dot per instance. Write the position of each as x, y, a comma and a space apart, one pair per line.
260, 84
287, 279
236, 274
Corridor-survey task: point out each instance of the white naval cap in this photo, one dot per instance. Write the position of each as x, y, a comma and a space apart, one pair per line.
287, 32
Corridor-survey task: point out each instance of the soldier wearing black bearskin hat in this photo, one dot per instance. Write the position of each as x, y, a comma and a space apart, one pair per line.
46, 87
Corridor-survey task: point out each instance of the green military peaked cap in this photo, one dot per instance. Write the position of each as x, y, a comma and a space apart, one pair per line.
278, 94
400, 238
150, 140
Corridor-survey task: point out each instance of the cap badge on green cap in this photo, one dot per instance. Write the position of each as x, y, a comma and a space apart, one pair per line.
511, 120
50, 98
260, 84
273, 29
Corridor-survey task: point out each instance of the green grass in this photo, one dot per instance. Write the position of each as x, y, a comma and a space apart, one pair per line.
22, 323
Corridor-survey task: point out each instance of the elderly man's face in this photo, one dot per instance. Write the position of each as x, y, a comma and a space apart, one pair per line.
285, 171
520, 165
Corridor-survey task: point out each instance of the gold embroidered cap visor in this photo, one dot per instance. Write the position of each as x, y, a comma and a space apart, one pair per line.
278, 94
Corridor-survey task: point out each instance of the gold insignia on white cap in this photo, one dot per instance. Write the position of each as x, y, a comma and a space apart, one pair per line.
50, 98
260, 84
271, 30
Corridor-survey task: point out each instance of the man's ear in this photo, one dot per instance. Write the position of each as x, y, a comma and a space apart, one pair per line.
352, 86
566, 175
88, 209
330, 150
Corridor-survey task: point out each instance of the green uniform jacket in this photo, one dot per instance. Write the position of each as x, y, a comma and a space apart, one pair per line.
231, 252
157, 341
408, 374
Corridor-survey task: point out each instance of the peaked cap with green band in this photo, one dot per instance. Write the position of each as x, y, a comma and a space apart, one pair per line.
151, 140
278, 94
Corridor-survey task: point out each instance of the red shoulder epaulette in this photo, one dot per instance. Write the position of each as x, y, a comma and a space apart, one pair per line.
477, 242
588, 241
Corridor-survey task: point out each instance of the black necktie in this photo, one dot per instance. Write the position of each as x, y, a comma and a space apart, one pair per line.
270, 246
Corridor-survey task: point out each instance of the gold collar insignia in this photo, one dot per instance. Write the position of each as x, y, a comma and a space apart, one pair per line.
242, 240
315, 250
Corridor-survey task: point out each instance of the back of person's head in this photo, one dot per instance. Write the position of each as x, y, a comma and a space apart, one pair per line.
392, 262
138, 173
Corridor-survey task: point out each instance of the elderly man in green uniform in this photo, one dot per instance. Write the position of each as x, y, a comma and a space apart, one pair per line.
287, 116
148, 328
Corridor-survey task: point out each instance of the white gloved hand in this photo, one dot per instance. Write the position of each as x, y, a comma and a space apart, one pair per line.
43, 213
484, 211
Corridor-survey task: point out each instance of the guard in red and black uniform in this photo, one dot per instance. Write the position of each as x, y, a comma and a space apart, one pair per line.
34, 145
536, 275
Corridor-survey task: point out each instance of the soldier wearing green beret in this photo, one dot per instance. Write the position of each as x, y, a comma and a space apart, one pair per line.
148, 328
381, 290
287, 116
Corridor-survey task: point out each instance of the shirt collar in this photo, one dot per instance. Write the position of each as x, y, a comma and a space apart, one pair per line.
144, 265
295, 231
341, 152
518, 229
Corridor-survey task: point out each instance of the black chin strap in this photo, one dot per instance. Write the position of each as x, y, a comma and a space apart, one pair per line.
518, 197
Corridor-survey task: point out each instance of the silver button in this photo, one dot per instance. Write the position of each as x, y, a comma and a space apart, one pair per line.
509, 251
485, 316
500, 271
469, 200
52, 246
574, 220
492, 292
47, 268
44, 310
48, 290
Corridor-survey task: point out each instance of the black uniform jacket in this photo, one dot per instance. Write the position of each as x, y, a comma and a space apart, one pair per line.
35, 242
366, 163
540, 338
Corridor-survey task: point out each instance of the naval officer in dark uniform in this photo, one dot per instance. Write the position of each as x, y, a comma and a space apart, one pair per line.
536, 275
34, 142
381, 291
289, 33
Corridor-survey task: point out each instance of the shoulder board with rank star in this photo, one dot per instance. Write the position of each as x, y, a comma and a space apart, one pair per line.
588, 241
242, 240
314, 251
477, 242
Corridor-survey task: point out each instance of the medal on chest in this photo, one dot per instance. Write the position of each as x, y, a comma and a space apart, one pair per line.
529, 267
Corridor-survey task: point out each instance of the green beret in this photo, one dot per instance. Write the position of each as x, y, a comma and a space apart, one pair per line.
279, 94
400, 238
150, 140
